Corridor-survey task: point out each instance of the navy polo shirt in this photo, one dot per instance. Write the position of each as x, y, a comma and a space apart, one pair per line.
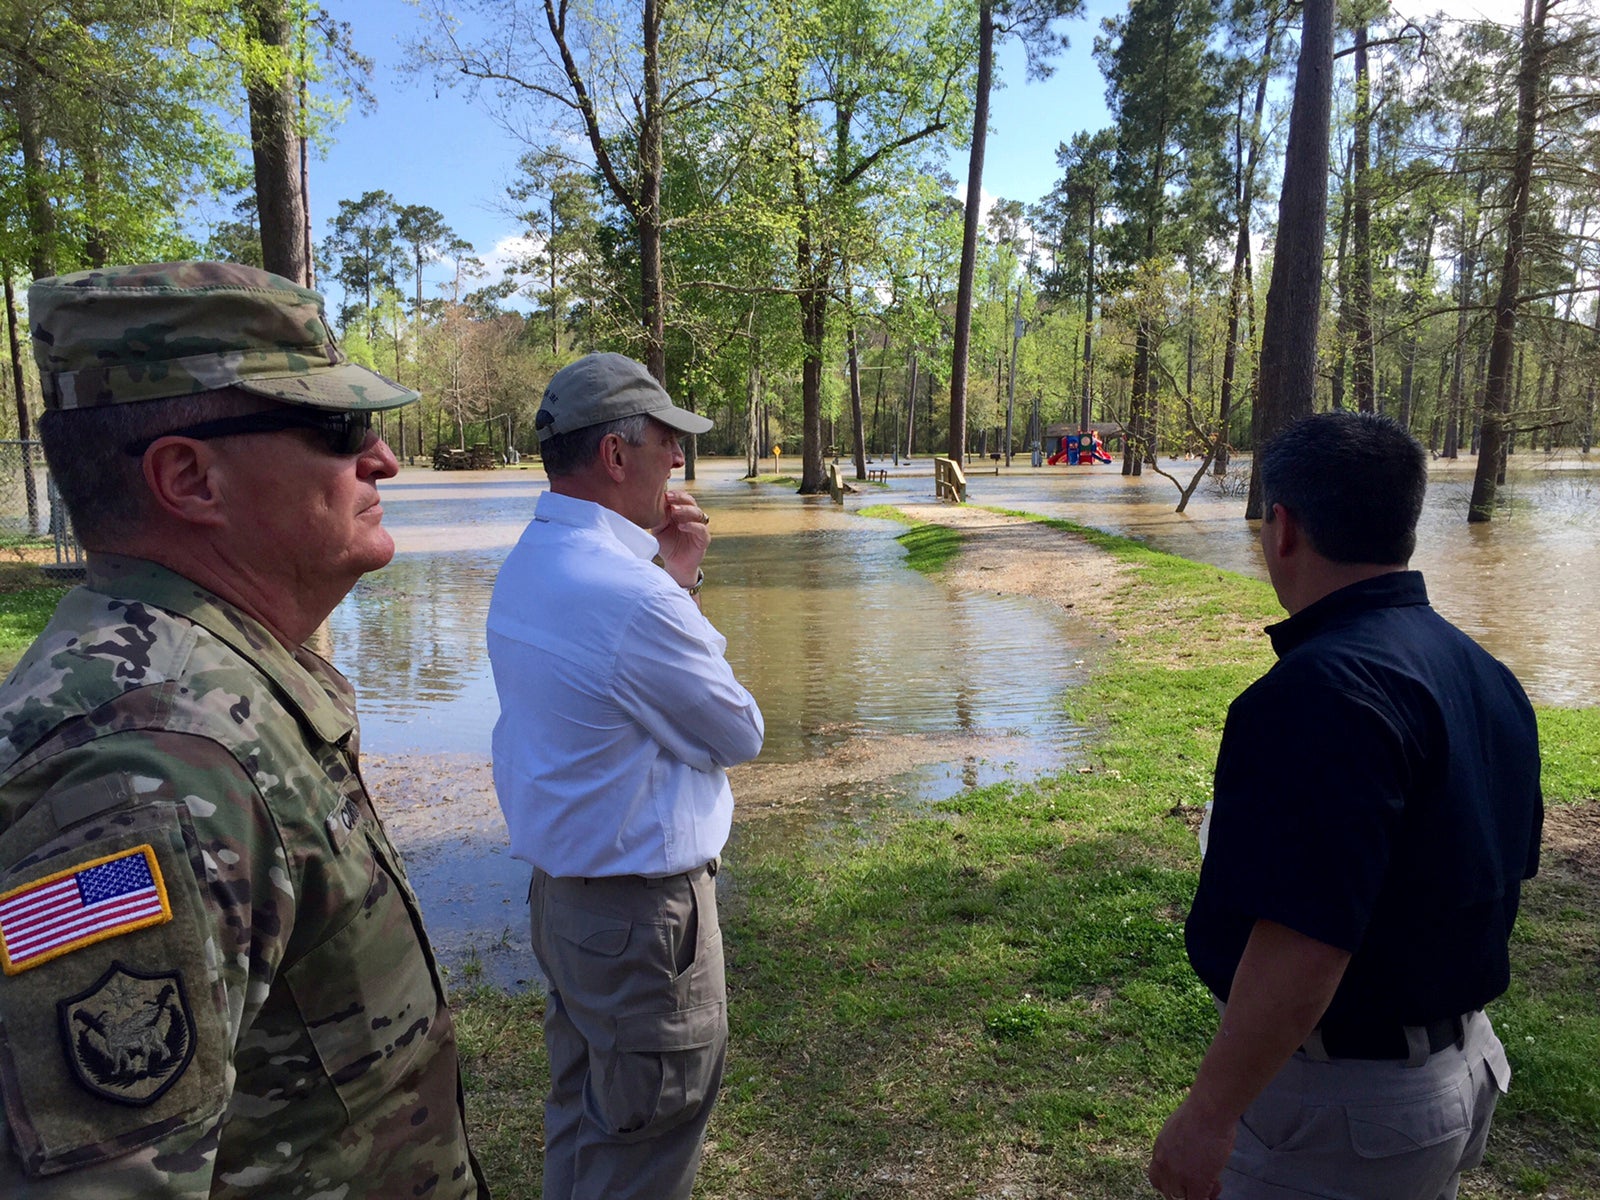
1377, 790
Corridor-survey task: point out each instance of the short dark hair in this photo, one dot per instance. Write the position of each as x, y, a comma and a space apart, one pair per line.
1354, 481
103, 487
568, 453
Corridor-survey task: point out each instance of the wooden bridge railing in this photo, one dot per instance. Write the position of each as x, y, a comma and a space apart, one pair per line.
949, 480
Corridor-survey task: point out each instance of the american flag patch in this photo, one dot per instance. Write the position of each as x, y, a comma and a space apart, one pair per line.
77, 907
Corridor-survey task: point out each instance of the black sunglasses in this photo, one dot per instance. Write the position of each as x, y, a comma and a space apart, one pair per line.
342, 432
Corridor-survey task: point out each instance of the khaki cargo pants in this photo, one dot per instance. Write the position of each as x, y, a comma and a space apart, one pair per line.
636, 1028
1371, 1129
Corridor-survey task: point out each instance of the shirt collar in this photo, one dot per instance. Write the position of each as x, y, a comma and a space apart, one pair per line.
556, 509
1394, 589
308, 683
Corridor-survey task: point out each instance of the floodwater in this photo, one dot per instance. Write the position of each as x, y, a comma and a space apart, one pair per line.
1525, 585
879, 687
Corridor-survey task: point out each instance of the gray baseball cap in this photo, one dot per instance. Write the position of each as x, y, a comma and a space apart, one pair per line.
607, 387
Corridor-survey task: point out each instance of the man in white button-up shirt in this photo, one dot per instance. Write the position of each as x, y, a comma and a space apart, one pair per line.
619, 716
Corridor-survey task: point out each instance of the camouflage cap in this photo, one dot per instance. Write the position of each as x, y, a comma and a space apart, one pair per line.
123, 334
607, 387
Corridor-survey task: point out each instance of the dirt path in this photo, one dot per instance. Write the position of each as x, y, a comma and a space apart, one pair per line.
1016, 557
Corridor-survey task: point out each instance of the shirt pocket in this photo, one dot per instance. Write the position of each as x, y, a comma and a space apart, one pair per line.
366, 995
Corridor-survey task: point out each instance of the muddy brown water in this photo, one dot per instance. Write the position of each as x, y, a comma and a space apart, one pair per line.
1526, 585
880, 687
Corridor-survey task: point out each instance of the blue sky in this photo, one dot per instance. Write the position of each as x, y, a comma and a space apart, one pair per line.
432, 146
428, 145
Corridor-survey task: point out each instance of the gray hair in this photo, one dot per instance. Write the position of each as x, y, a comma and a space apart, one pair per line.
569, 453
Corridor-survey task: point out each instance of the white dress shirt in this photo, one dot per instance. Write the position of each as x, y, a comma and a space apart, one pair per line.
618, 712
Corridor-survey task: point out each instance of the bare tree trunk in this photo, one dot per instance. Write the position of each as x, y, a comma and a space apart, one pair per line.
1088, 327
36, 194
1408, 352
1289, 338
1363, 368
1011, 376
857, 427
876, 446
1557, 385
1344, 327
911, 404
651, 287
275, 144
1496, 396
96, 252
1245, 192
305, 195
969, 233
691, 444
752, 398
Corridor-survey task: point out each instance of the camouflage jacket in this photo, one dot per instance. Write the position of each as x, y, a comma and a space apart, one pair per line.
216, 977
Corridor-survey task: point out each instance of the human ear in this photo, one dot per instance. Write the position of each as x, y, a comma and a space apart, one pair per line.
611, 456
1284, 530
182, 475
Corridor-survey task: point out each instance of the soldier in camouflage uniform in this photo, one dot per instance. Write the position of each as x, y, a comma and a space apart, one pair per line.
216, 980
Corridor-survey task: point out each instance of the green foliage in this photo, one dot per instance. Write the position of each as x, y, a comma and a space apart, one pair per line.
364, 255
108, 131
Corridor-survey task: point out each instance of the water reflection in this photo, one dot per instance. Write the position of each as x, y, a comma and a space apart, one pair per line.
1523, 585
836, 639
880, 688
411, 640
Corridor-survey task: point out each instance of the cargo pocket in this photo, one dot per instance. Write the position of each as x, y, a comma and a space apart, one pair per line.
664, 1069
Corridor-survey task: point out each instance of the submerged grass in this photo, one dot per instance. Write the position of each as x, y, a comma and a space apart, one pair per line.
929, 547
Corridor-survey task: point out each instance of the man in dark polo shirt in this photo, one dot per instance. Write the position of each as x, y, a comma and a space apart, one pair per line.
1377, 808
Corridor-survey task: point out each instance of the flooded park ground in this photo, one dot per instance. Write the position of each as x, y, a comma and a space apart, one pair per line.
880, 688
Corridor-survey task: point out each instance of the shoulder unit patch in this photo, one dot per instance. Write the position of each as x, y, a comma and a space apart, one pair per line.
88, 903
130, 1036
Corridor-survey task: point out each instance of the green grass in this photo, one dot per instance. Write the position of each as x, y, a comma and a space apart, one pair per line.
1569, 744
23, 614
996, 996
928, 547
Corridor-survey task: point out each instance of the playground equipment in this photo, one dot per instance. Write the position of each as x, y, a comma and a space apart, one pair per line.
1080, 449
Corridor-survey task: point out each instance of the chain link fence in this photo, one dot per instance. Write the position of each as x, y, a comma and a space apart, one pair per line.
33, 521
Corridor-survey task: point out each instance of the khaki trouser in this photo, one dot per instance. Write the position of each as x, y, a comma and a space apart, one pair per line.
636, 1028
1354, 1129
